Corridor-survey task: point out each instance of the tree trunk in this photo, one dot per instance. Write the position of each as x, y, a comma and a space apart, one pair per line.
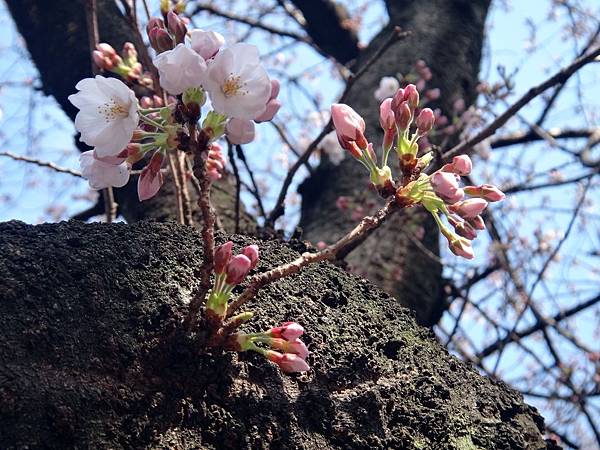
448, 35
91, 356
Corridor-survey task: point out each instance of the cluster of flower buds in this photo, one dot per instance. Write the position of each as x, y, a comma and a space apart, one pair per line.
215, 162
190, 70
442, 193
404, 125
230, 270
350, 131
127, 66
286, 349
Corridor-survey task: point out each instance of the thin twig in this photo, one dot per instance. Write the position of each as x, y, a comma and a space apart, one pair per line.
199, 143
178, 196
366, 226
255, 192
236, 174
37, 162
560, 77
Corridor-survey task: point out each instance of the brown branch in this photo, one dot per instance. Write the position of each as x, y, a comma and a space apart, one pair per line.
199, 144
250, 22
539, 325
366, 226
236, 174
525, 137
37, 162
560, 77
176, 182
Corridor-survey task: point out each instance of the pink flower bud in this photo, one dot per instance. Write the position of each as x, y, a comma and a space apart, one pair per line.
176, 27
411, 95
237, 269
463, 229
215, 162
240, 131
349, 126
288, 331
476, 222
403, 116
469, 208
425, 121
222, 257
251, 251
462, 247
462, 165
397, 100
386, 115
129, 52
488, 192
160, 40
272, 108
446, 187
288, 362
151, 178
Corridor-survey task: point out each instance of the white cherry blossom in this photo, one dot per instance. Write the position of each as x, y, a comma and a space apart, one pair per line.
206, 43
387, 88
101, 174
180, 69
107, 114
237, 83
332, 148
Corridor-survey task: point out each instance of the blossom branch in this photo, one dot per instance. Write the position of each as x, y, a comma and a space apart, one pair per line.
110, 206
279, 209
366, 226
560, 77
199, 143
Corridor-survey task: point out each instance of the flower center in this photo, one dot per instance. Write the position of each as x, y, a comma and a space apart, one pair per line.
233, 86
112, 111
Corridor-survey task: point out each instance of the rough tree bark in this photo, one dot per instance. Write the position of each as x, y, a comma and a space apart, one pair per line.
90, 356
448, 35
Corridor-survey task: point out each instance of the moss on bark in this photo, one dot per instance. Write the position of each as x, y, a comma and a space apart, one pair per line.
90, 356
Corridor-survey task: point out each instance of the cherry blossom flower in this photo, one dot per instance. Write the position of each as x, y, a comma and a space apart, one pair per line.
206, 43
272, 106
107, 114
240, 131
237, 83
151, 178
387, 88
102, 174
180, 69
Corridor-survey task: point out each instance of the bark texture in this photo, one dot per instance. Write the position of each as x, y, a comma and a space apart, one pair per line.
90, 356
448, 35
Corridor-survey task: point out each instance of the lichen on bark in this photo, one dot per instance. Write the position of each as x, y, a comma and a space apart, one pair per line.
91, 356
